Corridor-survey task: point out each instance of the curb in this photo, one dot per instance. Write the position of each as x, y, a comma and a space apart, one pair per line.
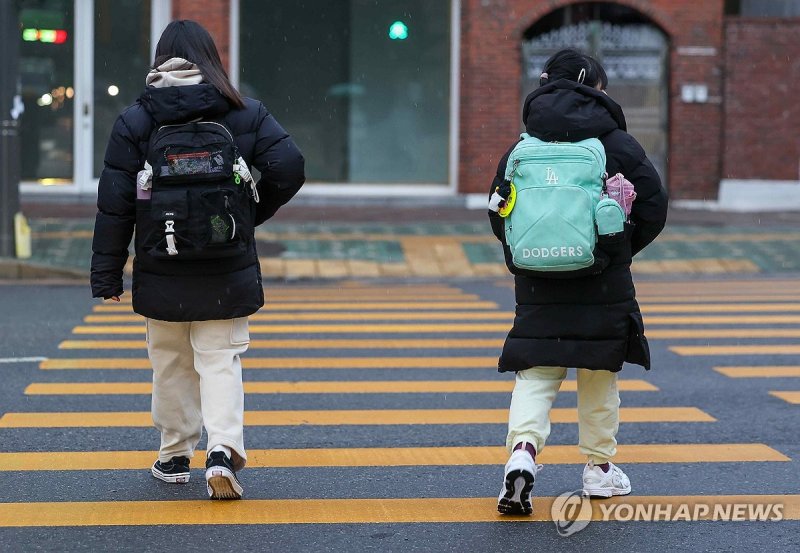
19, 269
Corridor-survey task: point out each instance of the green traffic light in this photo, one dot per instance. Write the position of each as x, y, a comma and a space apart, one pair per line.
398, 31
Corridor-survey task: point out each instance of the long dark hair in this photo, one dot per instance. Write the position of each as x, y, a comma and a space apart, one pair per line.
572, 65
189, 40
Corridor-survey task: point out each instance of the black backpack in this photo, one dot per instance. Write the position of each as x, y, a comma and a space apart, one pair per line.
202, 203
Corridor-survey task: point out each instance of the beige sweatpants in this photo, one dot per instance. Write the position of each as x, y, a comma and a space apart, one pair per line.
598, 410
197, 382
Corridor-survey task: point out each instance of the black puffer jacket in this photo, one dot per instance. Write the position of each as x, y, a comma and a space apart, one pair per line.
592, 321
187, 291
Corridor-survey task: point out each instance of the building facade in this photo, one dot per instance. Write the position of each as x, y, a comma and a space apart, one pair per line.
420, 97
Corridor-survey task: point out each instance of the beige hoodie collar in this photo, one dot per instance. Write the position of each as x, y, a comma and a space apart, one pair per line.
174, 72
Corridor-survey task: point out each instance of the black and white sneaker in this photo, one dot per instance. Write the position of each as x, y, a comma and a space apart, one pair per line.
174, 471
220, 478
520, 472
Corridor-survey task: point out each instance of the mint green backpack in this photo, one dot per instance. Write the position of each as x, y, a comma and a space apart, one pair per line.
559, 201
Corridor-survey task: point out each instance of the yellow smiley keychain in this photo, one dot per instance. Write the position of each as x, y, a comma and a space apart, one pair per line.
505, 211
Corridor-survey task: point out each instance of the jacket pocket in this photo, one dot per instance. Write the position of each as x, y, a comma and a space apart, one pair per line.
617, 246
638, 351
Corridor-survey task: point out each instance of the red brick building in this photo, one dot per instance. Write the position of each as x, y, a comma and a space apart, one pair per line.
422, 97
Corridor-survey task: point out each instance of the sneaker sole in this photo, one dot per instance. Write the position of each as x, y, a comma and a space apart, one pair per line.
517, 497
180, 478
222, 484
605, 493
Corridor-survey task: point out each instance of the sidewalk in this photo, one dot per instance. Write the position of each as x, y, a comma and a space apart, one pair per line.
336, 241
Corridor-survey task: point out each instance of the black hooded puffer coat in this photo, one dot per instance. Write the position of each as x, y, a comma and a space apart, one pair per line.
197, 290
592, 321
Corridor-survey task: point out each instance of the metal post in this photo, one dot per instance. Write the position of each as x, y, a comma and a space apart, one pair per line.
10, 110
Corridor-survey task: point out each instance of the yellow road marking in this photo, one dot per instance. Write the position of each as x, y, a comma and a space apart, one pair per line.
395, 457
722, 308
706, 298
777, 349
357, 511
740, 285
772, 371
323, 387
327, 329
294, 363
462, 316
733, 237
316, 317
345, 417
665, 334
343, 306
439, 344
789, 397
721, 319
372, 296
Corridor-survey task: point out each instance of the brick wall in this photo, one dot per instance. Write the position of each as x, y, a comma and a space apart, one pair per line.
492, 32
762, 113
214, 15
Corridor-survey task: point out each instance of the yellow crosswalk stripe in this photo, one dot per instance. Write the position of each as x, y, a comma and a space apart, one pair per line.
718, 286
360, 511
395, 457
455, 328
357, 297
666, 334
343, 306
316, 317
458, 328
438, 344
476, 343
721, 319
722, 308
707, 298
345, 417
789, 397
767, 371
762, 349
433, 362
474, 305
323, 387
461, 316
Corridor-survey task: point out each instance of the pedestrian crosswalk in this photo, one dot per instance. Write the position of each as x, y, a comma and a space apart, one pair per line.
393, 369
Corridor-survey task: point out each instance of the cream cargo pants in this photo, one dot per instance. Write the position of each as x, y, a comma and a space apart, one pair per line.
197, 382
598, 410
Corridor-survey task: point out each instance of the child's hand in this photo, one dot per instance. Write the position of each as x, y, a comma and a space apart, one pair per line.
115, 298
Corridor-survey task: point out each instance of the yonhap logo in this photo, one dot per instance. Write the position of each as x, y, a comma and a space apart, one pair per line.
571, 512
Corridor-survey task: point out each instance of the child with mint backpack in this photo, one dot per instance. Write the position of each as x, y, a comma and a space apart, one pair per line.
570, 245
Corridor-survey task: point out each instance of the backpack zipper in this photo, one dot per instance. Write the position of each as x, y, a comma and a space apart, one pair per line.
203, 123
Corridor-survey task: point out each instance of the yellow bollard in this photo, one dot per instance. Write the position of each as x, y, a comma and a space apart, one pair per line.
22, 236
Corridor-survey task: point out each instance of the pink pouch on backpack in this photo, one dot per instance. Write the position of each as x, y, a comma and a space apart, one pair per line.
621, 190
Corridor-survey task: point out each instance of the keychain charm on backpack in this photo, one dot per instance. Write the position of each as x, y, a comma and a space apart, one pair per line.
503, 199
608, 214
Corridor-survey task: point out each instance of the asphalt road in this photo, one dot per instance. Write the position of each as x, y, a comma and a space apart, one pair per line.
369, 459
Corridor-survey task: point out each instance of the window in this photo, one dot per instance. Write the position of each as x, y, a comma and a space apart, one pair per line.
363, 86
763, 8
47, 78
121, 62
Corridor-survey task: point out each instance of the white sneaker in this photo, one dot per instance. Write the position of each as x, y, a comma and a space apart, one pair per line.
597, 483
520, 472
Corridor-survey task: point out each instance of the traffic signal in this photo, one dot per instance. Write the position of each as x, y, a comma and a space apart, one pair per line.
53, 36
398, 31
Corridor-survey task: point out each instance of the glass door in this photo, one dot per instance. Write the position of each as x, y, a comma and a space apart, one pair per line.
47, 47
81, 62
